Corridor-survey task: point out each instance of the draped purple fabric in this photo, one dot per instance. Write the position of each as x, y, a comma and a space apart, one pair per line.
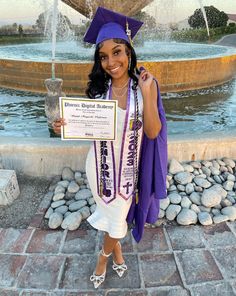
152, 178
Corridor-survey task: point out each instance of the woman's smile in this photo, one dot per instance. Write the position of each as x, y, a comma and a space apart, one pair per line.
114, 60
114, 70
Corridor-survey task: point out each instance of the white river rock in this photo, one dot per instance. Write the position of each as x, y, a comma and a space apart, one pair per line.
186, 217
55, 220
72, 222
210, 198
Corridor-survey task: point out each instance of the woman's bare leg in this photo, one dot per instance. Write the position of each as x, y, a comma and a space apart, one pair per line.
108, 247
117, 254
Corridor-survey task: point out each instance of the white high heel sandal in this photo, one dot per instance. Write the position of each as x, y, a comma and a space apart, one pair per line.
99, 279
119, 268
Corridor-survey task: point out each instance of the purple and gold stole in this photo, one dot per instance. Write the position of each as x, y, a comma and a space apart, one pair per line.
126, 172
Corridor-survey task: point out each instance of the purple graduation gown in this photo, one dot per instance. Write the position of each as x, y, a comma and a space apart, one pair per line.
152, 178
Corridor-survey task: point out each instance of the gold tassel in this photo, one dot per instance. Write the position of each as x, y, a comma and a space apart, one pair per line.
101, 190
136, 196
128, 33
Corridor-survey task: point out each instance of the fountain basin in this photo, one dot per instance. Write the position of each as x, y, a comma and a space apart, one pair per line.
177, 66
173, 76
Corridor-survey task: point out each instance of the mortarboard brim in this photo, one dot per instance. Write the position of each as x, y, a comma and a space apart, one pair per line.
108, 24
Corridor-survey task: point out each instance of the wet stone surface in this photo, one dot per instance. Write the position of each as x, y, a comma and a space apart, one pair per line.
173, 291
153, 241
10, 267
198, 266
45, 242
128, 293
31, 265
14, 240
40, 272
219, 235
214, 289
185, 237
80, 242
34, 293
227, 260
7, 292
159, 270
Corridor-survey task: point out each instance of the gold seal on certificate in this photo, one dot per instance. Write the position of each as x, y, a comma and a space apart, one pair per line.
88, 119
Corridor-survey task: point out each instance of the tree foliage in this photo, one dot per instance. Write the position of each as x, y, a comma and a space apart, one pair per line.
215, 18
9, 29
149, 21
15, 26
40, 22
44, 23
20, 30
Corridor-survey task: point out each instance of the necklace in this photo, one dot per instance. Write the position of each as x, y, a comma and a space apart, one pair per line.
120, 95
122, 86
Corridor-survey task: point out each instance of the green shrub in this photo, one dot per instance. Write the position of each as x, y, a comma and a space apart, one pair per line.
200, 35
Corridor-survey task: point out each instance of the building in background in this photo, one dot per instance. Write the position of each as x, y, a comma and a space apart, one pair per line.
232, 18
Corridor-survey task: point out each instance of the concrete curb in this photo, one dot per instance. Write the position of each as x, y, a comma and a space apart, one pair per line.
47, 156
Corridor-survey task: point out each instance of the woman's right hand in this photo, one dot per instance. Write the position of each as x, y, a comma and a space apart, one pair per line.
56, 125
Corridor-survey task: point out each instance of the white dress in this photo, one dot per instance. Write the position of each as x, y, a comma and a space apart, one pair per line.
109, 217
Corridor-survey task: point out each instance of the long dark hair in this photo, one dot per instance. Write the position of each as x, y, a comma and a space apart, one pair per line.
98, 78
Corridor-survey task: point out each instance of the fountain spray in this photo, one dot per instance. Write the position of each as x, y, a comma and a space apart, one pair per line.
204, 16
54, 35
53, 85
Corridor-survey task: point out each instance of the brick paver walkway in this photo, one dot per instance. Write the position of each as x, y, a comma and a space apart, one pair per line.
169, 261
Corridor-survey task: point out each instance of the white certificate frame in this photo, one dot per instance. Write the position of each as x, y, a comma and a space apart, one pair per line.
72, 109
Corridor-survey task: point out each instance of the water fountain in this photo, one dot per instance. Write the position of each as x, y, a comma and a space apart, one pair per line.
53, 84
175, 74
177, 66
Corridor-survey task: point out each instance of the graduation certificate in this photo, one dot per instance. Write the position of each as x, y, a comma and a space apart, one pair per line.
88, 119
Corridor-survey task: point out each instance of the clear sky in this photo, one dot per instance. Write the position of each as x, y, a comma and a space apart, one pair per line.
27, 11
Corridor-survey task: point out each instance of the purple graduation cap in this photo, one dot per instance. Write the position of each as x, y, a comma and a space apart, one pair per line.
108, 24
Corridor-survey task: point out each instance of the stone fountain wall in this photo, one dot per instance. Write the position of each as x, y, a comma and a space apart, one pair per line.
173, 76
129, 8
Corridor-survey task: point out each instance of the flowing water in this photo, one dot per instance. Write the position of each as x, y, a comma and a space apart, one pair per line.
22, 114
72, 51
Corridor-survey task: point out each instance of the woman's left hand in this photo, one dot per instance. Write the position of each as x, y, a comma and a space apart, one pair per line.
145, 81
152, 123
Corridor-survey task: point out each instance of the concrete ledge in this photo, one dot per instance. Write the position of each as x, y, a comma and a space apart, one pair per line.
42, 156
47, 157
173, 75
202, 147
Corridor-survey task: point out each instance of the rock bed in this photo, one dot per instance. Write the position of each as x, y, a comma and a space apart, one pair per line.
72, 201
200, 191
197, 192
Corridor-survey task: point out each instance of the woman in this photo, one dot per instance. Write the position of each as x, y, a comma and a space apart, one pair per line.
112, 168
